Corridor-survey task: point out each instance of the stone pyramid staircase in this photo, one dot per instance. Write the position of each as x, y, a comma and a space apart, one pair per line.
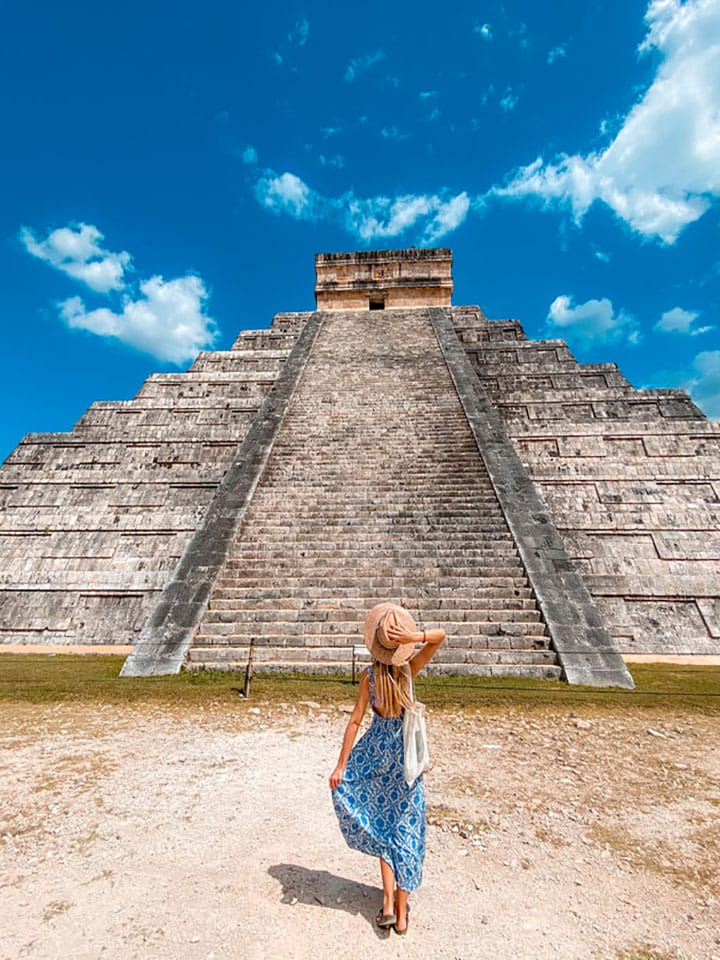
374, 490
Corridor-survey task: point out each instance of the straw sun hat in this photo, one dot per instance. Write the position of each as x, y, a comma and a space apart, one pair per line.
381, 647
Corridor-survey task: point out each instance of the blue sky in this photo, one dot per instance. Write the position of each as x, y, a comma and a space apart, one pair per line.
170, 170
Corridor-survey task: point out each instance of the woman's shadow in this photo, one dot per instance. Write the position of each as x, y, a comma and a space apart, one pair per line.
319, 888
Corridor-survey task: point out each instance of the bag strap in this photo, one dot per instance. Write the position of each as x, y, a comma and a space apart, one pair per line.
410, 678
371, 678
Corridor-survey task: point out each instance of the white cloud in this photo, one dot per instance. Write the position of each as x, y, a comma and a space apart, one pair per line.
428, 94
76, 251
592, 322
300, 33
362, 64
487, 94
509, 101
602, 256
556, 53
393, 133
381, 218
521, 31
367, 218
163, 318
701, 380
250, 156
286, 193
485, 31
703, 383
330, 131
662, 169
449, 215
678, 320
335, 161
610, 126
167, 320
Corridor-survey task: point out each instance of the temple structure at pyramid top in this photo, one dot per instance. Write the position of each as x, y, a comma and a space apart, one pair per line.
384, 279
387, 446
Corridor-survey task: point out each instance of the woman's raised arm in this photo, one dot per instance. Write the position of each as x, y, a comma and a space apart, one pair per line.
433, 639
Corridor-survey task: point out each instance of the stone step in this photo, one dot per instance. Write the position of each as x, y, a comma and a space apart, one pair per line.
225, 611
313, 467
378, 575
494, 589
263, 653
320, 552
348, 513
463, 608
341, 503
229, 629
410, 517
389, 583
412, 533
320, 473
297, 564
342, 668
360, 534
271, 648
335, 459
365, 522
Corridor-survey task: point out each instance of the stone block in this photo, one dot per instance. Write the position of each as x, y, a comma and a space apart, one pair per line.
689, 545
710, 612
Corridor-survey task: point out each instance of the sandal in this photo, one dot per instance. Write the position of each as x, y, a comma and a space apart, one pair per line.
385, 920
401, 933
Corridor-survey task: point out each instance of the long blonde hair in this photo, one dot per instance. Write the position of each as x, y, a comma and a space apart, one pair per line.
392, 687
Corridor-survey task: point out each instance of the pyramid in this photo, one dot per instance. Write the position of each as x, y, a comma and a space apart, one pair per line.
388, 445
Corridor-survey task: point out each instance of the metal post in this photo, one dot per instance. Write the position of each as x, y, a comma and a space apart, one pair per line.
248, 669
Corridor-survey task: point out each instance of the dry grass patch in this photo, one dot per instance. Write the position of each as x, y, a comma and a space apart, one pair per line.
645, 951
449, 818
56, 909
691, 863
78, 771
552, 837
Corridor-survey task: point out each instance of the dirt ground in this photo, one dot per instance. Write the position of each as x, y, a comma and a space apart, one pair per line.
168, 834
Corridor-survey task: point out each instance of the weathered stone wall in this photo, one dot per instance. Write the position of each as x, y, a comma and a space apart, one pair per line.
393, 298
631, 478
394, 278
93, 522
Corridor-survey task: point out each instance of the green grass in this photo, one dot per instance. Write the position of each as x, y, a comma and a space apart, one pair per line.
39, 678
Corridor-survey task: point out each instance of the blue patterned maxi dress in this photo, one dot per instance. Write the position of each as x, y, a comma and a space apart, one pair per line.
377, 811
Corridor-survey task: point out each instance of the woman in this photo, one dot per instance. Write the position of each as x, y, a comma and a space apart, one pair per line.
378, 812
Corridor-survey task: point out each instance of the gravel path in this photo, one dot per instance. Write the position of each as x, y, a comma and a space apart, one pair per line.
147, 833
